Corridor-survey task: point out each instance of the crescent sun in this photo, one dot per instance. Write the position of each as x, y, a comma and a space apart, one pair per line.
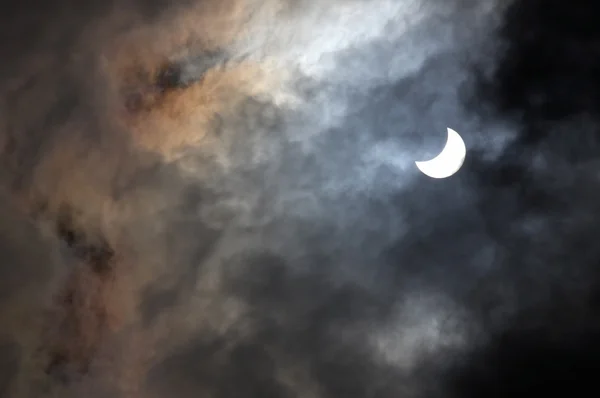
449, 161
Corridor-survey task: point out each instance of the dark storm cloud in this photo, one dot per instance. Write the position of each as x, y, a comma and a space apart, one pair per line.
22, 249
303, 254
9, 354
26, 269
296, 319
550, 176
342, 240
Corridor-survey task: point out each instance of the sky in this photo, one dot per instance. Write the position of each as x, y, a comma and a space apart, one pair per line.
219, 199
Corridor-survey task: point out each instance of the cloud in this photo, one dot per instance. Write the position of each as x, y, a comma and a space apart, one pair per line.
218, 198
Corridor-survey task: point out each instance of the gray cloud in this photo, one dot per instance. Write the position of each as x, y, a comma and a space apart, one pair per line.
292, 249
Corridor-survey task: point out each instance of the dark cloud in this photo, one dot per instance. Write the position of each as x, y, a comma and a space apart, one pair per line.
294, 320
203, 200
9, 366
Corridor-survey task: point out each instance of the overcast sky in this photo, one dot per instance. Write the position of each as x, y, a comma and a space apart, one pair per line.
245, 172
